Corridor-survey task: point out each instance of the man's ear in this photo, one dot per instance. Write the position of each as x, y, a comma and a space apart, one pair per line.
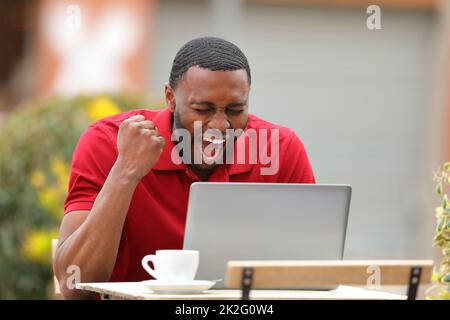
170, 97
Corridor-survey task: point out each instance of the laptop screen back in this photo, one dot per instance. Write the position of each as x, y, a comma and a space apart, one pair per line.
264, 221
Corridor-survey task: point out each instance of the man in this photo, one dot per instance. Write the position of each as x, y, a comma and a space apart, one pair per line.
130, 181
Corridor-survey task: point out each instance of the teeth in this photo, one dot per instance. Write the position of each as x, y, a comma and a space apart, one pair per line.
214, 141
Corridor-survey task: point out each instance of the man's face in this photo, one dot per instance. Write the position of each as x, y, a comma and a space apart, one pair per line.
219, 99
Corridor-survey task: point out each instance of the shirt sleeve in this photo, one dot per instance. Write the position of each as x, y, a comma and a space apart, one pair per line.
92, 161
295, 165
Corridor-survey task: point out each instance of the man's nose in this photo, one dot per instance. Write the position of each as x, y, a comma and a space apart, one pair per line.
219, 121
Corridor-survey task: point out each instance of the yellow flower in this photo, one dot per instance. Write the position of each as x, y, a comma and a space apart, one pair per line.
101, 107
439, 211
61, 171
37, 179
37, 246
49, 198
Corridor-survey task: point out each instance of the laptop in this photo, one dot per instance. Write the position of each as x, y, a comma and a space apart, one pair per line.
264, 221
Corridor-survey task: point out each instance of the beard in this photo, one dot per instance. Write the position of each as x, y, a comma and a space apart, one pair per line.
197, 148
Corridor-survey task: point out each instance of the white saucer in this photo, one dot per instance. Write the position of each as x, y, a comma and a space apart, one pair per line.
165, 287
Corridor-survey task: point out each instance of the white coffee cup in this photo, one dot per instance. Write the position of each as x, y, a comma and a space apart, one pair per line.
172, 265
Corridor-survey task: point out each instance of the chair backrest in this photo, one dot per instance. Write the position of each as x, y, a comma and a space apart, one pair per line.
289, 274
55, 280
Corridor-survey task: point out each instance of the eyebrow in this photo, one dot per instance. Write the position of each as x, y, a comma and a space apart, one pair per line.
236, 104
210, 104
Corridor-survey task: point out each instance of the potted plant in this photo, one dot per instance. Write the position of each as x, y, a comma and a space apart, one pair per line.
441, 276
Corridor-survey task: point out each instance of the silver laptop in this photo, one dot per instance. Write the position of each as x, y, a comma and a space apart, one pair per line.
264, 221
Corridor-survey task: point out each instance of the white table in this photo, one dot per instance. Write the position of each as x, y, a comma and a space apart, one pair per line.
137, 291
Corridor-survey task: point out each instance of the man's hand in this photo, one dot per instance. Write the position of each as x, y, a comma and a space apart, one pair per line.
139, 145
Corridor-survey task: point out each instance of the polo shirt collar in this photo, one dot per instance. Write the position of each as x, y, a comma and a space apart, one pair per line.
163, 120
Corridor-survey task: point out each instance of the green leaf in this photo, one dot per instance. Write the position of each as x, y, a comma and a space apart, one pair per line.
444, 203
434, 276
447, 166
439, 188
446, 278
440, 225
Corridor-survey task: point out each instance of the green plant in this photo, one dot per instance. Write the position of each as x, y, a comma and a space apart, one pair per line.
36, 144
441, 276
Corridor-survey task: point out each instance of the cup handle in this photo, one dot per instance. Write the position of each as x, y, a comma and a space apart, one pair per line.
145, 261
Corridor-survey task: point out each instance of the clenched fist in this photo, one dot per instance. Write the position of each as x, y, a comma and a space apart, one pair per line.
139, 145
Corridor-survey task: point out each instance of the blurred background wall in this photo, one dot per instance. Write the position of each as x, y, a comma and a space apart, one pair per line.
360, 99
371, 106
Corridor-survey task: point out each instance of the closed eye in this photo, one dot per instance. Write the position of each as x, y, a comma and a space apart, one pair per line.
202, 111
234, 111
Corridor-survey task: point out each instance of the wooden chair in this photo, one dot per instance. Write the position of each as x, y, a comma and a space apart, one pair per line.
301, 274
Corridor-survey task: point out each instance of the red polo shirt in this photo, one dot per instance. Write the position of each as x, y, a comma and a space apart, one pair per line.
157, 213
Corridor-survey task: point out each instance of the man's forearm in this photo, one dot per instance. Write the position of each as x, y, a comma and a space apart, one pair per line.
94, 245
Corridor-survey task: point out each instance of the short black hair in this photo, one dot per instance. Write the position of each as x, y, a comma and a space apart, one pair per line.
211, 53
